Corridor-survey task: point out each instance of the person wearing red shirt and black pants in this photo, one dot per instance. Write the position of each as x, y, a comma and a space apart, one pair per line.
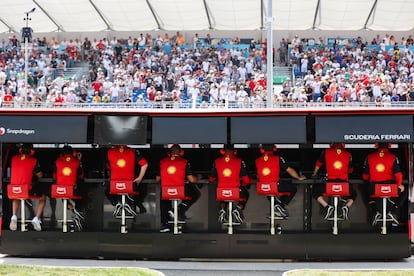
338, 163
269, 166
125, 163
68, 171
382, 166
25, 170
227, 170
174, 170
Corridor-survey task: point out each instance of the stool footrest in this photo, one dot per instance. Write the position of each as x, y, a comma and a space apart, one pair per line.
179, 222
233, 223
126, 216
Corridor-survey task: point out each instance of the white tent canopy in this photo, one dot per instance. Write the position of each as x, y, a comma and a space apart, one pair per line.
187, 15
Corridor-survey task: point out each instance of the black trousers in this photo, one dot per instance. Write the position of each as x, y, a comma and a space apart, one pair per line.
286, 186
191, 191
394, 204
244, 196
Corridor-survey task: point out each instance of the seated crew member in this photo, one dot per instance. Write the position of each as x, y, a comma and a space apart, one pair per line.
268, 167
25, 170
124, 163
227, 170
174, 170
338, 163
68, 171
382, 166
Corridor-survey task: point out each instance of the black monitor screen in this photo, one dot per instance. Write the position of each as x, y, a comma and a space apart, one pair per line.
120, 130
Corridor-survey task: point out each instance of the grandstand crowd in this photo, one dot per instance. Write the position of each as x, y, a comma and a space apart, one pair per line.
167, 72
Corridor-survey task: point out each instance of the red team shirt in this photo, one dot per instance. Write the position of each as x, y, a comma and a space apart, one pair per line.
173, 170
227, 170
122, 161
68, 170
338, 163
382, 166
268, 167
22, 169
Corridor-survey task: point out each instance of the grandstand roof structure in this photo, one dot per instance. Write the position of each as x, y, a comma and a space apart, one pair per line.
186, 15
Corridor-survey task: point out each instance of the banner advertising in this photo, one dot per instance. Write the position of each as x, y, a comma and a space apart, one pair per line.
43, 129
364, 129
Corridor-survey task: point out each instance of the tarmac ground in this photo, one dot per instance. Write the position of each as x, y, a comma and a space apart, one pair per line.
208, 267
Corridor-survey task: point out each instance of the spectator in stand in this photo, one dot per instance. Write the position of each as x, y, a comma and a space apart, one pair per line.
354, 67
96, 98
8, 98
179, 39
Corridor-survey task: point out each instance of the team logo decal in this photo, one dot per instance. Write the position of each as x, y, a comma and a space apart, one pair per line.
66, 171
337, 165
380, 167
338, 151
227, 159
67, 159
266, 171
22, 157
2, 131
227, 172
121, 149
121, 163
265, 158
171, 170
381, 154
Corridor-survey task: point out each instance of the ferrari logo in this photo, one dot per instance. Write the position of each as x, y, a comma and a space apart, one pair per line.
227, 159
67, 159
121, 163
380, 167
227, 172
265, 158
66, 171
171, 170
121, 149
23, 157
337, 165
381, 154
338, 151
266, 171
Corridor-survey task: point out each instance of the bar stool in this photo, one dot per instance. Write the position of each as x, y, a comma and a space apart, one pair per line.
174, 194
65, 192
229, 195
385, 191
270, 189
21, 192
336, 190
123, 188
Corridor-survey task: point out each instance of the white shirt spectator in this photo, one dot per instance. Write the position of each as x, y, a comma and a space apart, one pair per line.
194, 92
214, 94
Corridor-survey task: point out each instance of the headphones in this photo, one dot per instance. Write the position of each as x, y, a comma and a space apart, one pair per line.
337, 145
268, 147
175, 149
228, 148
26, 149
385, 145
68, 150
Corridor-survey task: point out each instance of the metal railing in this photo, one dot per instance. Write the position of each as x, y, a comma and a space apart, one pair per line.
207, 106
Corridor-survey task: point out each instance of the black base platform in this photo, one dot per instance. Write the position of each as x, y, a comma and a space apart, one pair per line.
299, 246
